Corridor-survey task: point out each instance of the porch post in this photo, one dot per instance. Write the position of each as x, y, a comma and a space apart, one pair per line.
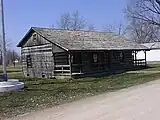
135, 58
53, 72
81, 63
70, 63
145, 58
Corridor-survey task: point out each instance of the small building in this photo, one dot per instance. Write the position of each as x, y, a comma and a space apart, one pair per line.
153, 54
16, 61
66, 53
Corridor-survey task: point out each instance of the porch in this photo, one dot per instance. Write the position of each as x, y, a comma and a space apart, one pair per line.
76, 63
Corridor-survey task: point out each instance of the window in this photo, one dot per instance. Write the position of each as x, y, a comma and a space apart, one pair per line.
118, 55
95, 58
121, 55
34, 37
76, 58
43, 75
72, 59
29, 61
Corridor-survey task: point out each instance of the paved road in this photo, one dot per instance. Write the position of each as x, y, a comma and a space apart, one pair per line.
136, 103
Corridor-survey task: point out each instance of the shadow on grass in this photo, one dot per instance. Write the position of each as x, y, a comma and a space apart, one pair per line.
81, 89
141, 68
66, 82
39, 82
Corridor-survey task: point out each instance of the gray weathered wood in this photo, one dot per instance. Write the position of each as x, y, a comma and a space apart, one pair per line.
49, 60
70, 64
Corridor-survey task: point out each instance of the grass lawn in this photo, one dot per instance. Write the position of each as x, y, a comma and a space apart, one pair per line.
11, 69
40, 93
44, 93
154, 67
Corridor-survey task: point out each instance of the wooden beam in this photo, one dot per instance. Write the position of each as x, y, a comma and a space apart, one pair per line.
145, 58
81, 60
53, 63
70, 63
135, 58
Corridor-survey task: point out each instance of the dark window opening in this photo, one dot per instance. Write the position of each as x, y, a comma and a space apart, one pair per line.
76, 58
28, 75
29, 61
118, 55
43, 75
34, 37
95, 57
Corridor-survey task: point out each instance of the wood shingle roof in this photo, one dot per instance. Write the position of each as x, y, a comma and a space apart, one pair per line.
87, 40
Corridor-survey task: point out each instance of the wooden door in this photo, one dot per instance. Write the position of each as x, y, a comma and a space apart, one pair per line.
86, 62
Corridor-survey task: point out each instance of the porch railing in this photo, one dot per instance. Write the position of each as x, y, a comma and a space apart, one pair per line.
78, 68
140, 62
62, 69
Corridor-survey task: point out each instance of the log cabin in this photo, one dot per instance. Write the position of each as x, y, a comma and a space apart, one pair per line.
55, 53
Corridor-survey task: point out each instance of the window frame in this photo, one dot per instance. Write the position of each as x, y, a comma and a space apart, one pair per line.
34, 37
95, 57
29, 61
118, 55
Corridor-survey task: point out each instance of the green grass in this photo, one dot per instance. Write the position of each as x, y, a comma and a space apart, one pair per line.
13, 72
153, 67
15, 75
44, 93
11, 69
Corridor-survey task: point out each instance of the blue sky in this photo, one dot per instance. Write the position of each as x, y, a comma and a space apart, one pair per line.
20, 15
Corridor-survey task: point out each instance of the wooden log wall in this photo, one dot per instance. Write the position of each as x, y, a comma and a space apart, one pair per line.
61, 63
88, 65
43, 56
102, 63
42, 61
128, 59
47, 59
61, 58
40, 52
123, 62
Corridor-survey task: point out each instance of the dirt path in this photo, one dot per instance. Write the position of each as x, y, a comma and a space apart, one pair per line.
136, 103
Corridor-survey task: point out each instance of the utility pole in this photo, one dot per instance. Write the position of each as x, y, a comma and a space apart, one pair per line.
2, 40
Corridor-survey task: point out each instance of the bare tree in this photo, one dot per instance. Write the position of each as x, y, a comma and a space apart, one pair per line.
12, 55
65, 21
145, 10
52, 26
143, 32
144, 20
71, 21
91, 27
8, 42
78, 21
118, 29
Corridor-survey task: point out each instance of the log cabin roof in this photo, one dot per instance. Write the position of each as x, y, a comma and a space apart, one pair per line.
85, 40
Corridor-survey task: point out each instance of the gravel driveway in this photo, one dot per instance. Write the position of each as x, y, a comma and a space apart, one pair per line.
141, 102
